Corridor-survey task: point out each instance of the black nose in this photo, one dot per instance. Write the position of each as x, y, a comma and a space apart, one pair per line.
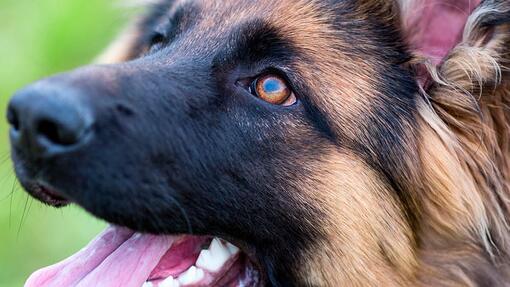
47, 119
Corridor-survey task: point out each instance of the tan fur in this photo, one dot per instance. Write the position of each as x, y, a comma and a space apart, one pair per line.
357, 199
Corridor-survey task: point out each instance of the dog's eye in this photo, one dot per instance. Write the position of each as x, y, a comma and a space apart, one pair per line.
273, 89
157, 41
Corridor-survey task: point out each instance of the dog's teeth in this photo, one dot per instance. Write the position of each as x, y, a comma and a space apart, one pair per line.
205, 261
148, 284
232, 248
209, 262
213, 258
192, 276
219, 251
170, 282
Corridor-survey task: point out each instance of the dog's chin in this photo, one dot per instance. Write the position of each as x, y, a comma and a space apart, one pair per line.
45, 193
122, 257
39, 189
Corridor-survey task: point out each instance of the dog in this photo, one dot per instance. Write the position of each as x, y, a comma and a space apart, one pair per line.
282, 143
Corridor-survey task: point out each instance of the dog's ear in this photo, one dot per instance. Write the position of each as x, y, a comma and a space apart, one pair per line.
461, 57
470, 88
468, 92
429, 28
433, 27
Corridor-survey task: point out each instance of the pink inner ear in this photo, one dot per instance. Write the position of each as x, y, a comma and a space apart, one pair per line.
434, 27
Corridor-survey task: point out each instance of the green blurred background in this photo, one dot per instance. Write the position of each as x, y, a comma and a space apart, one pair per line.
39, 38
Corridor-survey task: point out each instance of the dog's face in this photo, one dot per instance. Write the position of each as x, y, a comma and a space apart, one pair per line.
281, 126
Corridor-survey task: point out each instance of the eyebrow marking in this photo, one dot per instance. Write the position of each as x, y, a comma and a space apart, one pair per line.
255, 41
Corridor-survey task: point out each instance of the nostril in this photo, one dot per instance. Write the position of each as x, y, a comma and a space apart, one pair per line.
12, 118
49, 119
56, 133
49, 130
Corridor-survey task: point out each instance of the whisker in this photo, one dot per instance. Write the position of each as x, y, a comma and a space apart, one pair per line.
10, 203
7, 196
17, 185
3, 179
23, 220
4, 158
22, 216
5, 176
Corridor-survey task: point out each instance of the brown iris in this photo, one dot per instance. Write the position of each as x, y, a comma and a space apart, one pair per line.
274, 89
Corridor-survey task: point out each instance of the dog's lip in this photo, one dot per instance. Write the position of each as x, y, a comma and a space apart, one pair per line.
46, 194
37, 187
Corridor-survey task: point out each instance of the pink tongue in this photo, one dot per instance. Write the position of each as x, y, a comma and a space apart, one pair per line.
117, 257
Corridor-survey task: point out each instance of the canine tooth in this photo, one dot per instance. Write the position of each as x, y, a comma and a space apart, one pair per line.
215, 257
192, 276
170, 282
232, 248
209, 262
218, 250
148, 284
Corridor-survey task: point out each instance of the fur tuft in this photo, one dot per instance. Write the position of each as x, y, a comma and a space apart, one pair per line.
465, 152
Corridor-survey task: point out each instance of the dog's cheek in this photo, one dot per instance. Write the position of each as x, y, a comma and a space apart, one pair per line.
361, 222
250, 177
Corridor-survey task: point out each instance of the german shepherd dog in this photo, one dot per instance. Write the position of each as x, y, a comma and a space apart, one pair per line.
283, 143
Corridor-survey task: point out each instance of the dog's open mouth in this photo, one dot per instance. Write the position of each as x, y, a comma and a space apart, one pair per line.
120, 257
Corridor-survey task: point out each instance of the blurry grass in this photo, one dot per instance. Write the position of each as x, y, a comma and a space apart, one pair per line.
39, 38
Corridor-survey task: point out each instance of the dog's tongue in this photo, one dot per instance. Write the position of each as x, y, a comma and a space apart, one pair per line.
117, 257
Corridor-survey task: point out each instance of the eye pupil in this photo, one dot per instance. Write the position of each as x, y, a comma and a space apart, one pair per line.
272, 85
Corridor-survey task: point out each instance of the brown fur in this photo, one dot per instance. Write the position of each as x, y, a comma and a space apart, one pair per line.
455, 161
466, 205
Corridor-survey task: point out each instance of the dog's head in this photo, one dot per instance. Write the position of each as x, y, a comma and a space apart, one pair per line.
294, 129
